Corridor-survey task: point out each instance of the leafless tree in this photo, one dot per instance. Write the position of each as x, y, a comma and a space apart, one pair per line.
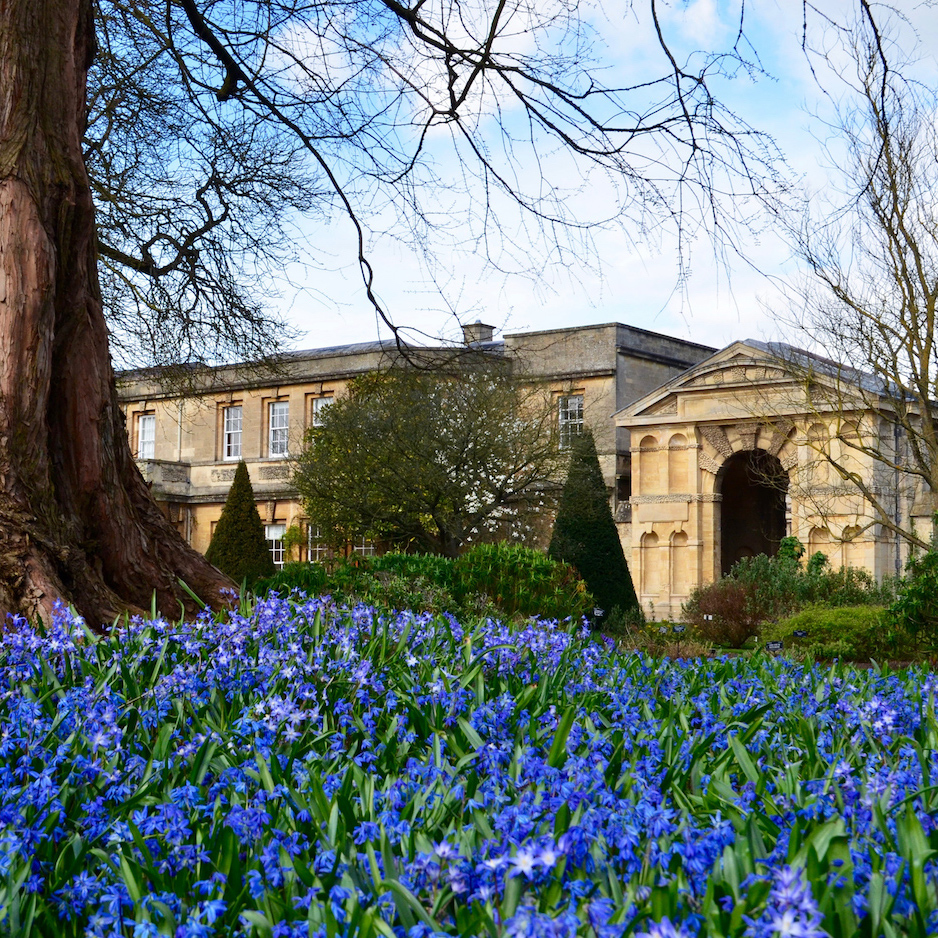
868, 298
194, 199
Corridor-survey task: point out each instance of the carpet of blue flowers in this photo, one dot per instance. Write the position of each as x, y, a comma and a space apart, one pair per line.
301, 769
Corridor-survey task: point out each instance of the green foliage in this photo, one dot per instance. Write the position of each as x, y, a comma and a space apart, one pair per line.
504, 580
585, 534
431, 567
292, 540
430, 460
621, 622
782, 585
915, 610
765, 589
420, 582
856, 633
310, 578
520, 581
238, 546
790, 548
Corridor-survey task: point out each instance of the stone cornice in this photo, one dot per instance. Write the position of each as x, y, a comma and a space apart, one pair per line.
684, 498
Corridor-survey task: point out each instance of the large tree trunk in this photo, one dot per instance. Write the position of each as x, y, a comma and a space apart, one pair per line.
77, 521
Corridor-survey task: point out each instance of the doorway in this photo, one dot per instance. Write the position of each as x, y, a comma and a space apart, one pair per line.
752, 518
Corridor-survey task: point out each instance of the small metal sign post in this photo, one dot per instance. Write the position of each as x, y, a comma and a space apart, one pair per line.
678, 628
800, 633
774, 646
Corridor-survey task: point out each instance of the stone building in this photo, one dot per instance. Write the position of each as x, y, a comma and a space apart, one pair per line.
737, 452
187, 445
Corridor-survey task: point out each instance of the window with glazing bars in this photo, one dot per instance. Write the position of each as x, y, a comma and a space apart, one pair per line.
279, 427
146, 436
570, 418
317, 549
232, 445
274, 534
319, 408
361, 545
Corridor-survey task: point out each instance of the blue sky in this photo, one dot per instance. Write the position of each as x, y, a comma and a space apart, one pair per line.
634, 277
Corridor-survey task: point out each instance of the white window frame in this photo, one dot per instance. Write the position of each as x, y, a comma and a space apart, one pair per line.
319, 406
363, 547
278, 419
232, 430
316, 548
569, 418
274, 534
146, 436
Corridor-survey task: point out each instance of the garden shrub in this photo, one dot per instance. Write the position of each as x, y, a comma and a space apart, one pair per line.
491, 579
622, 622
766, 589
239, 547
311, 578
585, 534
724, 612
857, 633
782, 585
430, 567
419, 582
914, 612
521, 581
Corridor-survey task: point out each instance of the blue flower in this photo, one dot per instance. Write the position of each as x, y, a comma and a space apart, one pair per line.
663, 929
791, 911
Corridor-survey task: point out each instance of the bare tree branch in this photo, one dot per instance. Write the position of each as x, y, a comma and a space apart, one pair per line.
870, 295
422, 120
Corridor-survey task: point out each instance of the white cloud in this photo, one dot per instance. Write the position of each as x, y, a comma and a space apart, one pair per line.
700, 21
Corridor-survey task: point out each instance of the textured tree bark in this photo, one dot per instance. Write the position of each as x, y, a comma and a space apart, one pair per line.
77, 521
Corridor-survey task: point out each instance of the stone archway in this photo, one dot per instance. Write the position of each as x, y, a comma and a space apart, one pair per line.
753, 485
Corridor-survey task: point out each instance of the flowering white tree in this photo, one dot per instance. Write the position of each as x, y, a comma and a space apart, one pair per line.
431, 459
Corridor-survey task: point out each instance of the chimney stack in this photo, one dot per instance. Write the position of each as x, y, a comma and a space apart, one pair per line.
477, 332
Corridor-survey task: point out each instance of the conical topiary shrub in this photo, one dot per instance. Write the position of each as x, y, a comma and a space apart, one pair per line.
585, 533
238, 546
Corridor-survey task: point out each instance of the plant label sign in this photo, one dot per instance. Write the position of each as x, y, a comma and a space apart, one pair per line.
678, 628
800, 633
774, 646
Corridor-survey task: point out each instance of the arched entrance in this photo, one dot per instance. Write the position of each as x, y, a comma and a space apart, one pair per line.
752, 517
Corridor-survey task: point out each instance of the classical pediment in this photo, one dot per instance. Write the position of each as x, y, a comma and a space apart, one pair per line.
734, 373
664, 408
